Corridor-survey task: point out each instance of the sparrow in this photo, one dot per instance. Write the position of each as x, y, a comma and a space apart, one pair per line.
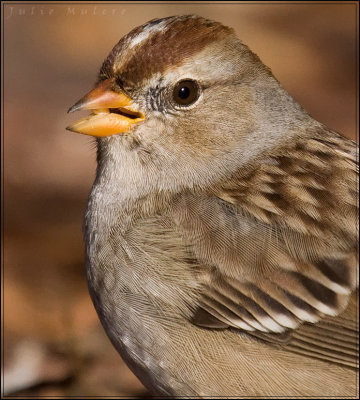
221, 229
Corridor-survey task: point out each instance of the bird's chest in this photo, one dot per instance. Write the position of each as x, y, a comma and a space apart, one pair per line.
120, 278
134, 280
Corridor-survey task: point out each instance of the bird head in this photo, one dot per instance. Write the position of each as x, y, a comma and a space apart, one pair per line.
187, 92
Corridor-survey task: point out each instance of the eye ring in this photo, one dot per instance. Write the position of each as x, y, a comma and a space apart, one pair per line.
186, 92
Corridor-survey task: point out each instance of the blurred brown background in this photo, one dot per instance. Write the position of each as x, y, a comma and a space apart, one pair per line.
53, 342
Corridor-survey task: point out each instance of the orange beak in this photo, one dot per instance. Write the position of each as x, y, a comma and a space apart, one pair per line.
113, 112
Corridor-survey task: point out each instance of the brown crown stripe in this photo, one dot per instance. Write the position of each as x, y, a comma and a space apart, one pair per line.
180, 39
106, 70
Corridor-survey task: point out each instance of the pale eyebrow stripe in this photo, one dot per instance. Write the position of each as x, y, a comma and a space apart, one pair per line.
143, 36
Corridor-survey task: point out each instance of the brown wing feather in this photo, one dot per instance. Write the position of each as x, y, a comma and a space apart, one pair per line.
277, 247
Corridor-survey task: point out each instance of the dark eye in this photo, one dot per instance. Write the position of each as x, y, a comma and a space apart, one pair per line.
186, 92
